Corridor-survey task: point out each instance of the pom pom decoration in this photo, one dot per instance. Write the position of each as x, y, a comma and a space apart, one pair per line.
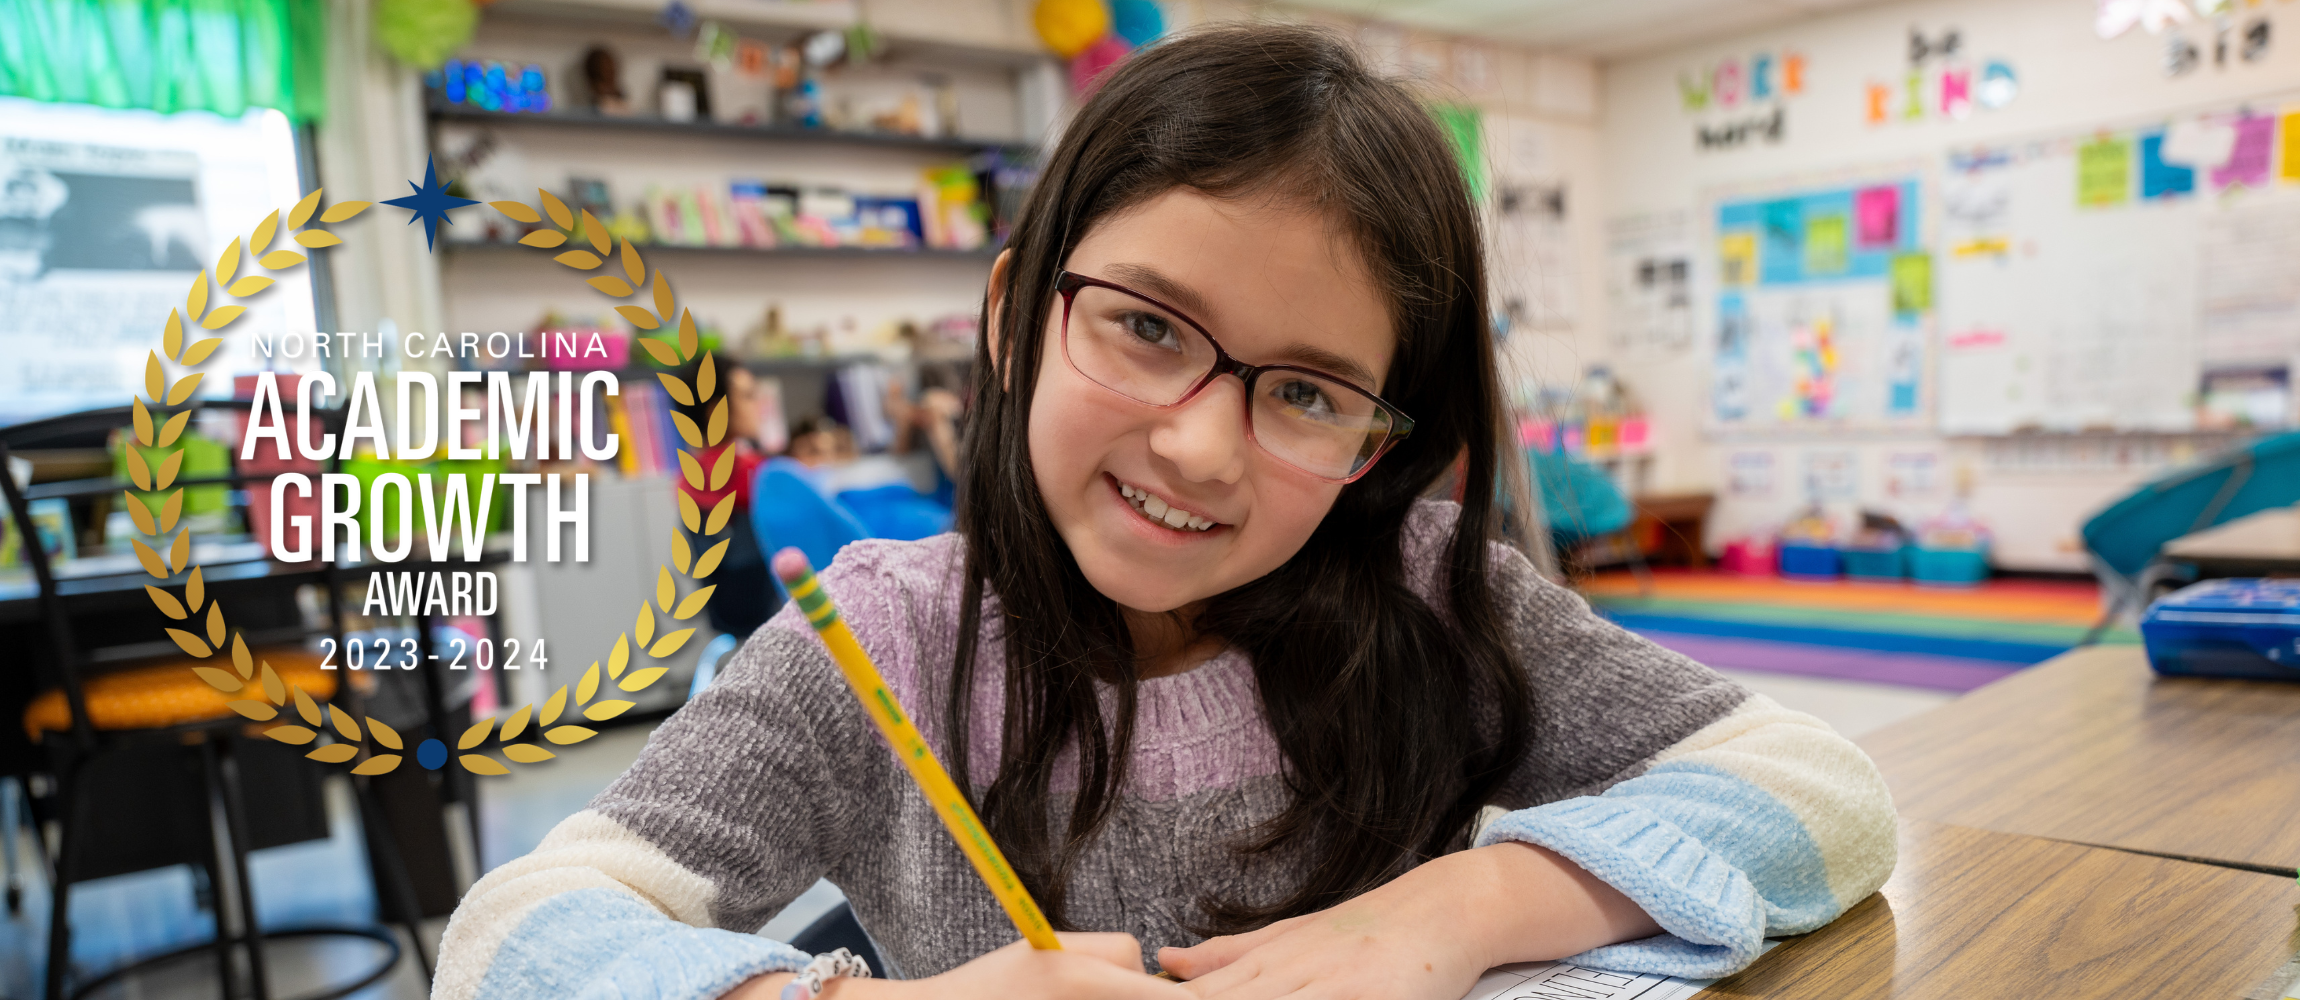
1139, 22
1070, 26
423, 33
1088, 70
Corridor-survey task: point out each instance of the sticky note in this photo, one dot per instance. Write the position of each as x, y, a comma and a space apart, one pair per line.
1825, 247
2104, 172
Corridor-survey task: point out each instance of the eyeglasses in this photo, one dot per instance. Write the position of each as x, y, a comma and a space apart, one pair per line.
1151, 353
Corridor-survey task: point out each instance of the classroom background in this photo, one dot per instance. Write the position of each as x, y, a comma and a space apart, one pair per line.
1887, 356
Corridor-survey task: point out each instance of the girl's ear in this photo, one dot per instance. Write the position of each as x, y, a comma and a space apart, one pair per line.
997, 300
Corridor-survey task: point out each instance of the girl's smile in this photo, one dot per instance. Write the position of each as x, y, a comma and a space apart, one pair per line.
1158, 510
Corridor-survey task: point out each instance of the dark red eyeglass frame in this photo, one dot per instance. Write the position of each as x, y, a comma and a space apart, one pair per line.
1068, 283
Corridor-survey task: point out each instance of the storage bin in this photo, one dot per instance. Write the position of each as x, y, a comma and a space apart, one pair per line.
2226, 628
1948, 567
1810, 562
1884, 565
1748, 557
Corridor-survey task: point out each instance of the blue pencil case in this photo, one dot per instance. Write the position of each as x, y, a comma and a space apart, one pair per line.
2247, 628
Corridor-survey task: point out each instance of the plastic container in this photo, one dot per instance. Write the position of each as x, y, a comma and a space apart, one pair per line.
1948, 567
1748, 557
2244, 628
1877, 565
1810, 562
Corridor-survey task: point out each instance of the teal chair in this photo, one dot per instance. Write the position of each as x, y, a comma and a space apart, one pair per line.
1582, 506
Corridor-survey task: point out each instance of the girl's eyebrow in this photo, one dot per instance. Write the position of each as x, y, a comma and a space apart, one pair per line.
1149, 279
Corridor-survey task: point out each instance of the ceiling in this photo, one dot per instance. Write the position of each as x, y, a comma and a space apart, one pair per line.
1602, 29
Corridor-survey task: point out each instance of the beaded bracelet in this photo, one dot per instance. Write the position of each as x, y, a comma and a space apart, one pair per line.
808, 984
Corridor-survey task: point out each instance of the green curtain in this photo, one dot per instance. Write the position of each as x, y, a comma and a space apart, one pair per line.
224, 56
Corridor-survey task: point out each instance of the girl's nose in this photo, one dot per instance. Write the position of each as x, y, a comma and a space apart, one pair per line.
1205, 438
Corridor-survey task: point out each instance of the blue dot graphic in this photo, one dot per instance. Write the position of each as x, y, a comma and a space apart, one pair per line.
432, 754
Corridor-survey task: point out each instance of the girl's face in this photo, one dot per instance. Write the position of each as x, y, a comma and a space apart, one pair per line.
1273, 283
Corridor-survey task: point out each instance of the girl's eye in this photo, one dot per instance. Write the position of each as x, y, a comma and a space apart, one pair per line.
1150, 329
1305, 396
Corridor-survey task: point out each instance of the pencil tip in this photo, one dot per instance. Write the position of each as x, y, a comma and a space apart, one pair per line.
791, 565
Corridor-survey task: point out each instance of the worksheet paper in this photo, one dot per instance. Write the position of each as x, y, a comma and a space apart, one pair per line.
1559, 981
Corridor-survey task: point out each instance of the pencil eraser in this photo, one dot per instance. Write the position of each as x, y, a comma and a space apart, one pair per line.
791, 565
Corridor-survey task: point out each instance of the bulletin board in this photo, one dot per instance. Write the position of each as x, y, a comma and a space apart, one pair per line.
1823, 310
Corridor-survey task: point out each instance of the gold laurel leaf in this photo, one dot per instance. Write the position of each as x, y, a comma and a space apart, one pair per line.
544, 238
306, 707
228, 262
294, 735
516, 210
606, 710
266, 231
706, 379
527, 753
196, 594
619, 657
317, 238
580, 259
689, 515
475, 735
190, 643
681, 556
718, 431
189, 384
150, 559
221, 317
639, 679
665, 590
242, 289
710, 562
241, 661
155, 381
662, 290
344, 723
221, 680
557, 208
196, 300
382, 763
609, 285
691, 469
343, 211
171, 341
301, 213
180, 552
688, 432
215, 622
644, 320
517, 723
163, 600
723, 469
479, 763
552, 707
281, 260
596, 233
199, 352
274, 689
644, 628
664, 354
569, 734
254, 710
174, 428
671, 643
676, 388
169, 512
694, 602
334, 753
589, 685
384, 734
719, 515
687, 335
169, 466
634, 267
142, 418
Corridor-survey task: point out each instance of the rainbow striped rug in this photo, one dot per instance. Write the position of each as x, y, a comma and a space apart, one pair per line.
1953, 640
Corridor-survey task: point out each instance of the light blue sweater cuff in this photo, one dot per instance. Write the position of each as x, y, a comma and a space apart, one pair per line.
1714, 917
600, 944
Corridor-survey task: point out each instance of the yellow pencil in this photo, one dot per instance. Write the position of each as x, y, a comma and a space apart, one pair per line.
879, 701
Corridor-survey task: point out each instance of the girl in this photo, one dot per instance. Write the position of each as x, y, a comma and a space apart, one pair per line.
1233, 696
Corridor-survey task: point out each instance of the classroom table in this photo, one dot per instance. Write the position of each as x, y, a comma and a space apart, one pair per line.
2262, 544
1974, 915
2092, 747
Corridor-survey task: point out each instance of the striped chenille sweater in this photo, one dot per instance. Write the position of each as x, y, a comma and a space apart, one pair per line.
1727, 817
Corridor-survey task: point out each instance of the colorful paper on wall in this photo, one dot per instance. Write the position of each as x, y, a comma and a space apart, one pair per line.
2160, 178
1737, 259
2104, 172
2290, 168
1912, 283
2248, 160
1878, 211
1825, 249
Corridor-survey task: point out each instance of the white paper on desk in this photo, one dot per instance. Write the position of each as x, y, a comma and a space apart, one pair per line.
1562, 981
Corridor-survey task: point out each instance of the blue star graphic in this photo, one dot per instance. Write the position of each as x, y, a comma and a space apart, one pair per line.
431, 203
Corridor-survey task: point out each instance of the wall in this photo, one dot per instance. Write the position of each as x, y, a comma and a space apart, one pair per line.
2070, 80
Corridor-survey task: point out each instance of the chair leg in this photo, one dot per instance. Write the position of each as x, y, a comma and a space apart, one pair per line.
223, 772
8, 828
397, 899
59, 887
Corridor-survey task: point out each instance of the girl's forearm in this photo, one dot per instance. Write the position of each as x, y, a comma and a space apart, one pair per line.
770, 987
1535, 905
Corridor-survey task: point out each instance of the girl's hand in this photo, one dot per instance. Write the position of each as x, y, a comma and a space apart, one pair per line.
1089, 967
1428, 935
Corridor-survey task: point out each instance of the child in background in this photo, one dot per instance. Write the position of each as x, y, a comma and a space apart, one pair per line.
1231, 694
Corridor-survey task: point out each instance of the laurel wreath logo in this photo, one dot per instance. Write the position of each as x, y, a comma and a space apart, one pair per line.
263, 692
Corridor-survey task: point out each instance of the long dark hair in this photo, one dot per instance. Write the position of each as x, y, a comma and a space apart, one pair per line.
1366, 686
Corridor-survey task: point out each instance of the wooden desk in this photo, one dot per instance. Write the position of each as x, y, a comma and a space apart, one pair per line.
2091, 747
2262, 544
1669, 525
1974, 915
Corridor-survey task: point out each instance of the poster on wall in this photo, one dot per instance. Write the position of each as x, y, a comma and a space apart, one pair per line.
1649, 281
1823, 311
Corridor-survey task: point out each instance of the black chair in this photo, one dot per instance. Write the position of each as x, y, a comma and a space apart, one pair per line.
839, 929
